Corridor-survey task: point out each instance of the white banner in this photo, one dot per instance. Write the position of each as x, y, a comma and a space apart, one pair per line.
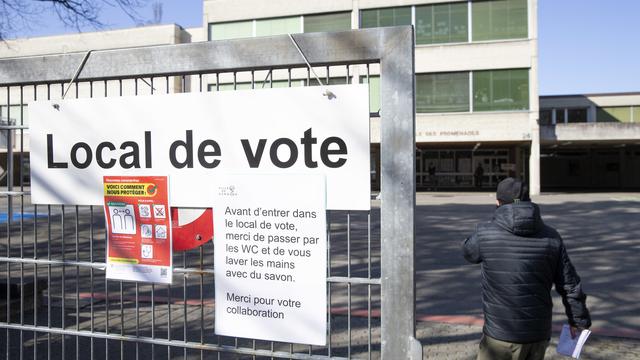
271, 258
194, 137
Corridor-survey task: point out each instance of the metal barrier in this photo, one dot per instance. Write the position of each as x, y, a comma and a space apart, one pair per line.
57, 304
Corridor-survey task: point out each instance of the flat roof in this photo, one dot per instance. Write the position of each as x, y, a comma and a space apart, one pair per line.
631, 93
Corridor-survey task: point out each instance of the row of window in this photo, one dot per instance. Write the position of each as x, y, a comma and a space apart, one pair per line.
493, 90
434, 24
623, 114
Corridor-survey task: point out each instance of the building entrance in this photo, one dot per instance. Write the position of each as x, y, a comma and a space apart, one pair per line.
462, 169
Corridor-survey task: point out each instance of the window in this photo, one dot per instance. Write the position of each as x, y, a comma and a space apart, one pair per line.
442, 23
13, 115
257, 85
499, 19
560, 116
636, 114
385, 17
614, 114
501, 90
545, 116
279, 26
374, 92
327, 22
577, 115
231, 30
444, 92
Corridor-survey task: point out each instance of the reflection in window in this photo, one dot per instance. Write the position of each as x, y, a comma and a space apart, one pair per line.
443, 92
442, 23
577, 115
501, 90
615, 114
327, 22
499, 19
374, 92
231, 30
279, 26
385, 17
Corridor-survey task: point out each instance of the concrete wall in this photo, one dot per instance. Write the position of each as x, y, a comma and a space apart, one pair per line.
591, 132
102, 40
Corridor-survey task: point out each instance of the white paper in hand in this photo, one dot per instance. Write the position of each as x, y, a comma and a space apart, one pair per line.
571, 346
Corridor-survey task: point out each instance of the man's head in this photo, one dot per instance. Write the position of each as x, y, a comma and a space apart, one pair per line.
512, 190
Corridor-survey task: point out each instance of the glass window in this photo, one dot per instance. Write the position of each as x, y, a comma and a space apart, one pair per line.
636, 114
560, 116
501, 90
327, 22
614, 114
545, 117
385, 17
279, 26
499, 19
577, 115
231, 30
374, 92
442, 23
444, 92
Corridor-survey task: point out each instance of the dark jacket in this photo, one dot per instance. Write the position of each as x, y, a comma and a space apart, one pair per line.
521, 258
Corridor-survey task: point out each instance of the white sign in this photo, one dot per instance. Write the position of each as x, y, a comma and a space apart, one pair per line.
270, 273
195, 137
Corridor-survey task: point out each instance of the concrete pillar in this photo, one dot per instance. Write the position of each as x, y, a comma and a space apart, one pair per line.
534, 163
534, 114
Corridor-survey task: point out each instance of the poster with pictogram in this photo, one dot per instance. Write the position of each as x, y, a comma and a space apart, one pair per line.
138, 228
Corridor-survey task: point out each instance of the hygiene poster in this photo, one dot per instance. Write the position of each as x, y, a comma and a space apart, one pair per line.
271, 257
138, 228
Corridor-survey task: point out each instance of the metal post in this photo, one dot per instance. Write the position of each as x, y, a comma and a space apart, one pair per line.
398, 190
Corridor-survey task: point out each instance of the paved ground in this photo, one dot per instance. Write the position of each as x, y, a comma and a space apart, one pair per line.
601, 231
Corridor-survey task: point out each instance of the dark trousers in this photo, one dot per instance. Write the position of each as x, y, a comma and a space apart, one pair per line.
493, 349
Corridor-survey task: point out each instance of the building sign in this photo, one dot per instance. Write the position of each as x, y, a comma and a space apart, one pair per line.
194, 137
271, 258
138, 228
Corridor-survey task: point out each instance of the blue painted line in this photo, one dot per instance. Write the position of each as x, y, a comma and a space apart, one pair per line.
17, 216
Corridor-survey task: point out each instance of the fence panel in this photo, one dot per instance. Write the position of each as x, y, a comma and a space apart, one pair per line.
57, 304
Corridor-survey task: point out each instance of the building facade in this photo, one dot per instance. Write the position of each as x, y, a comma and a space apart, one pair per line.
590, 142
477, 103
476, 77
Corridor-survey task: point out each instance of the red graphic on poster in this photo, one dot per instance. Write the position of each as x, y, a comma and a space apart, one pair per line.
139, 246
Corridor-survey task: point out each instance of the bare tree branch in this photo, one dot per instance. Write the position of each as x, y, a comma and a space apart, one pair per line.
16, 15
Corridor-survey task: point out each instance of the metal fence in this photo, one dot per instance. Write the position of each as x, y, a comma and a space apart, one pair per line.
57, 304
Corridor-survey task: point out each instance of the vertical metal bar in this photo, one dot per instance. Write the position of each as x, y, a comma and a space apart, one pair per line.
349, 284
397, 84
168, 285
184, 304
153, 291
121, 288
9, 211
106, 254
21, 222
64, 299
369, 285
35, 266
328, 283
49, 258
77, 271
135, 89
201, 301
77, 276
91, 257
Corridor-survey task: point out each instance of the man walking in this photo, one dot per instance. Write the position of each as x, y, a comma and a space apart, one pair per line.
521, 258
